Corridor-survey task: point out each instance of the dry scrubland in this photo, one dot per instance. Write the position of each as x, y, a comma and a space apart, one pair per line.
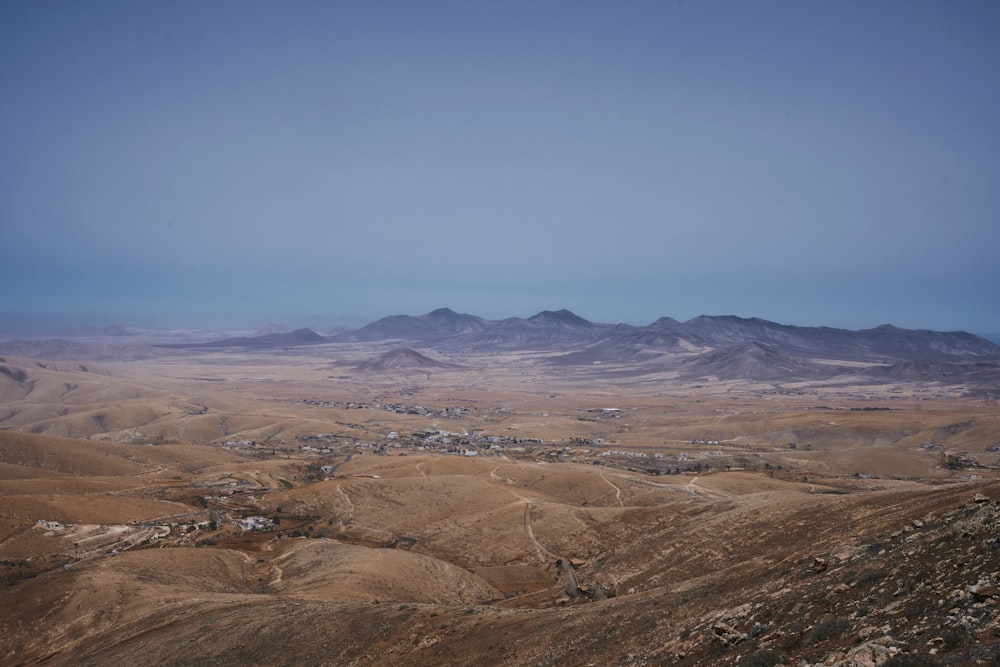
604, 518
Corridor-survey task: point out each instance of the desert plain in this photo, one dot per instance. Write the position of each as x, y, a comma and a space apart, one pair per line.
362, 502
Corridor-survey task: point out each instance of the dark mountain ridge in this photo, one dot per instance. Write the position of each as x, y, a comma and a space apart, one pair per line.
433, 326
586, 342
703, 335
403, 358
754, 361
883, 343
562, 318
446, 328
546, 330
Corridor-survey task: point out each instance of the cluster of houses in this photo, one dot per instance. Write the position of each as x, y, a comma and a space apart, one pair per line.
250, 524
471, 443
238, 444
50, 527
397, 408
631, 455
318, 450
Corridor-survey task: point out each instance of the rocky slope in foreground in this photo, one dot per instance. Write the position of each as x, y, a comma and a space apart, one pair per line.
903, 577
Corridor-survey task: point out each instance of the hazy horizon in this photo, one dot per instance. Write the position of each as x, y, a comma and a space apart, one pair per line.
229, 164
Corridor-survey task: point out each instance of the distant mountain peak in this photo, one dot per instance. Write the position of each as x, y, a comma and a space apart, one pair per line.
753, 360
727, 319
447, 316
305, 333
404, 358
562, 316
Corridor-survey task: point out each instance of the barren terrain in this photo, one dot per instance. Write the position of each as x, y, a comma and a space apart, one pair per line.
361, 502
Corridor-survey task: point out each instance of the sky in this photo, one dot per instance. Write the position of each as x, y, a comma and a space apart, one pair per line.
230, 164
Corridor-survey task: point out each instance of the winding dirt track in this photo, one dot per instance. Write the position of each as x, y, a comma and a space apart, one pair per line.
618, 491
702, 491
543, 553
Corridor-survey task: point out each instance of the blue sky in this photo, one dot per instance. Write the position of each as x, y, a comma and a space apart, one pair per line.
234, 163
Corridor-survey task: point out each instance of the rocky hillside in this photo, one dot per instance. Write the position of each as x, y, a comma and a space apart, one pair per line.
756, 361
403, 358
925, 593
443, 561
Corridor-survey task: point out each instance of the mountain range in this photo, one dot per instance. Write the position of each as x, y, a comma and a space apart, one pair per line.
586, 342
724, 347
447, 329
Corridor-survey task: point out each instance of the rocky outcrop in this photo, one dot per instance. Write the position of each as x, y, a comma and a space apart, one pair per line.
927, 592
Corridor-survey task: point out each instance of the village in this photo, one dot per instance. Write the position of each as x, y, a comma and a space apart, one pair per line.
229, 505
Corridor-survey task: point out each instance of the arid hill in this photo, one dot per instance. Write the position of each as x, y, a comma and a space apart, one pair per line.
442, 560
403, 358
756, 361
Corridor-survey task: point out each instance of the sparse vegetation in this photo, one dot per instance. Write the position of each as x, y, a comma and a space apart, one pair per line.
913, 660
762, 658
825, 629
868, 577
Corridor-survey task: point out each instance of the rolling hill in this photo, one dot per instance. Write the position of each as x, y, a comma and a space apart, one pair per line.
403, 358
754, 361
